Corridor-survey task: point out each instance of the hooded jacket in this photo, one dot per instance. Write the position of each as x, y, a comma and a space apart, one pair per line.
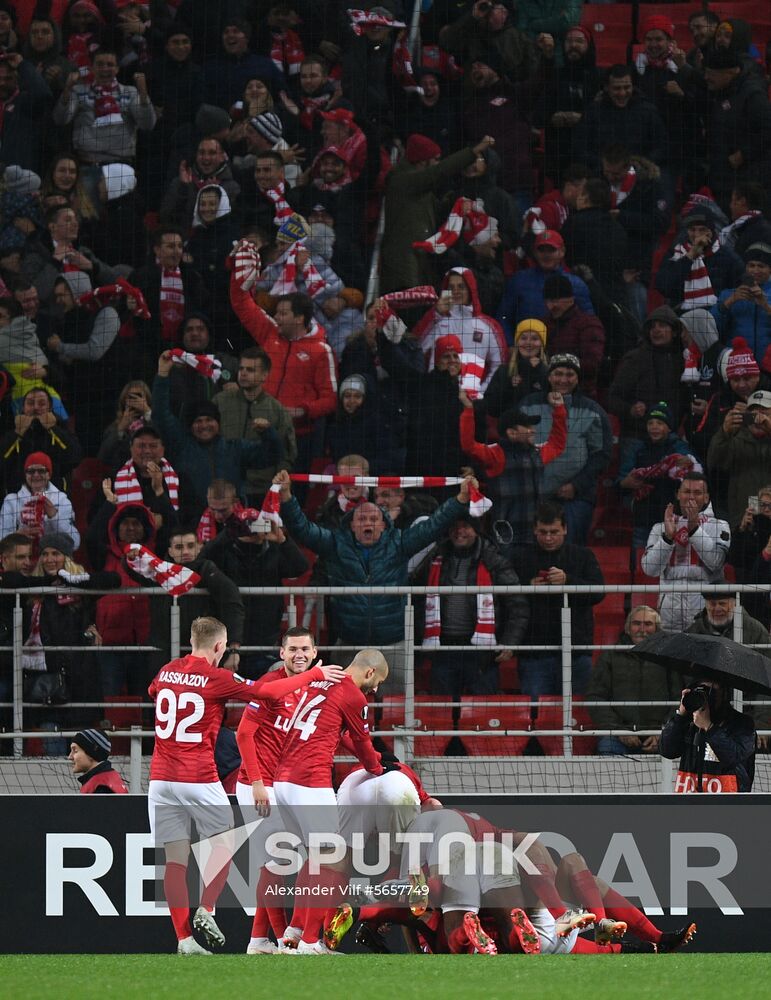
644, 214
479, 334
738, 119
743, 318
122, 618
648, 374
704, 355
523, 297
497, 202
180, 201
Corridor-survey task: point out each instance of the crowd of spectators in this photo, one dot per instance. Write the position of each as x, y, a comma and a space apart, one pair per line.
575, 284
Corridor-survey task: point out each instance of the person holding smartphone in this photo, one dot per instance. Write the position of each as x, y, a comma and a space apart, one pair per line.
745, 311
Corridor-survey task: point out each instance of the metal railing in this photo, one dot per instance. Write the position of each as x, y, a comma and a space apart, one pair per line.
564, 646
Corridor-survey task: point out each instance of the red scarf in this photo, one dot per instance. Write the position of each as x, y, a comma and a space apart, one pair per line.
107, 105
484, 631
128, 490
286, 282
620, 195
205, 364
286, 51
102, 296
282, 210
420, 295
207, 526
174, 578
172, 303
80, 49
698, 292
346, 503
311, 106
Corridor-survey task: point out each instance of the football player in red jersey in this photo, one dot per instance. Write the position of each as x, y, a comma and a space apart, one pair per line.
190, 696
261, 736
303, 780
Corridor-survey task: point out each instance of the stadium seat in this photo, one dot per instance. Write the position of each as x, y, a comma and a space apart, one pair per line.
505, 713
611, 28
549, 716
434, 715
85, 486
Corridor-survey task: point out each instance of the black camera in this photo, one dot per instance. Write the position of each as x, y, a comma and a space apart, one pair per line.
696, 699
748, 418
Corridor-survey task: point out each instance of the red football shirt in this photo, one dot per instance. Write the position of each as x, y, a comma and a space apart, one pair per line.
324, 710
263, 728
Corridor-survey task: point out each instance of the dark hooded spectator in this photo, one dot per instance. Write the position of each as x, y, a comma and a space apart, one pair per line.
735, 34
620, 115
227, 73
210, 166
119, 236
480, 183
458, 312
649, 373
310, 92
188, 387
369, 77
464, 558
85, 27
43, 50
745, 311
215, 230
36, 429
525, 372
569, 330
748, 225
737, 120
432, 113
363, 426
491, 26
571, 477
25, 100
593, 237
569, 89
175, 81
19, 208
412, 208
704, 356
700, 268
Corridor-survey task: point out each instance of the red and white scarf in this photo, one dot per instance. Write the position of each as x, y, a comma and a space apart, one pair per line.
670, 466
310, 107
174, 578
271, 505
691, 364
730, 234
401, 65
618, 195
127, 489
205, 364
32, 656
172, 303
662, 62
245, 263
472, 373
286, 51
286, 283
107, 109
281, 211
100, 297
346, 503
207, 526
484, 631
697, 291
451, 230
80, 50
420, 295
361, 19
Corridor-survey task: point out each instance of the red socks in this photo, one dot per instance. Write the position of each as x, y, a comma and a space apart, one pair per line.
543, 886
584, 946
587, 894
331, 885
175, 890
458, 941
621, 909
274, 914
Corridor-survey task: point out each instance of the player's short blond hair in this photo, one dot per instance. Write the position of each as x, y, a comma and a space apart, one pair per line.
205, 631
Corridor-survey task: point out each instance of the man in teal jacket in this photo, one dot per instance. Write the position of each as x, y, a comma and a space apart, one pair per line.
367, 550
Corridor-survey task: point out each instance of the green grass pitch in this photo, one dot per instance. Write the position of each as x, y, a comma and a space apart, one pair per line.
384, 977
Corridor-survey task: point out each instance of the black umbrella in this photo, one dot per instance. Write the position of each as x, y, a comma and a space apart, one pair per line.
709, 655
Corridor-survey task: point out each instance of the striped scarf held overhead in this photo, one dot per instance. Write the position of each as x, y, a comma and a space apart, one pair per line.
172, 303
472, 373
174, 578
207, 526
286, 51
205, 364
127, 489
281, 210
697, 289
286, 283
484, 631
459, 222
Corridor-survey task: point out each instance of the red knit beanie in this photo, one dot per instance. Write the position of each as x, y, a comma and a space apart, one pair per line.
38, 458
741, 360
447, 343
658, 22
420, 148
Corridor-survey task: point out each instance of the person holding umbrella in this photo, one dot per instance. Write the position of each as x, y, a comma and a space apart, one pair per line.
715, 743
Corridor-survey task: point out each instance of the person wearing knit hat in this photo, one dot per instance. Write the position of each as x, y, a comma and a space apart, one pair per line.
660, 411
268, 125
89, 753
565, 361
525, 371
420, 149
535, 326
741, 360
448, 347
746, 308
20, 181
38, 458
573, 331
38, 507
353, 383
59, 541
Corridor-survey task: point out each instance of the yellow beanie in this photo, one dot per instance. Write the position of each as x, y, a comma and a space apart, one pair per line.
533, 326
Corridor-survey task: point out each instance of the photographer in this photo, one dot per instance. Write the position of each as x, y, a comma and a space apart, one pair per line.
745, 311
715, 743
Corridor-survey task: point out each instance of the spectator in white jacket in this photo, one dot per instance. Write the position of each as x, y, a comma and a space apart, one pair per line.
459, 312
39, 508
687, 549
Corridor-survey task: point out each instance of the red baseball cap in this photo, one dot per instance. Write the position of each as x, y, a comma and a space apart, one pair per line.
341, 115
550, 238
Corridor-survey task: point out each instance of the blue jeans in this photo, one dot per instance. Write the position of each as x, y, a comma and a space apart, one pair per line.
578, 518
541, 674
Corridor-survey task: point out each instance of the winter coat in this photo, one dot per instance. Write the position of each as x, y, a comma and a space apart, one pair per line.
750, 566
676, 111
61, 446
372, 432
581, 568
22, 129
180, 199
588, 450
745, 319
503, 112
754, 230
728, 748
63, 521
737, 119
582, 334
744, 462
107, 143
468, 38
523, 298
620, 676
501, 395
594, 238
638, 126
724, 268
412, 213
365, 619
177, 88
225, 76
41, 268
237, 415
644, 214
649, 374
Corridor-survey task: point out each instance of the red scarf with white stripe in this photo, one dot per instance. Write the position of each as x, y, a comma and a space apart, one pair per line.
80, 49
286, 283
451, 230
729, 234
286, 51
246, 264
205, 364
174, 578
484, 631
207, 526
100, 297
472, 373
127, 489
669, 466
420, 295
33, 511
271, 505
697, 290
172, 303
311, 106
107, 105
282, 211
619, 194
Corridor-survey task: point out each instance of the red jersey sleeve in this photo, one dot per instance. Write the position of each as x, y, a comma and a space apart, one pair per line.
260, 326
555, 443
325, 384
267, 687
227, 686
490, 455
247, 727
354, 714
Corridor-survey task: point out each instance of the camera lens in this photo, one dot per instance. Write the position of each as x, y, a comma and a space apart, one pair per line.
696, 699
